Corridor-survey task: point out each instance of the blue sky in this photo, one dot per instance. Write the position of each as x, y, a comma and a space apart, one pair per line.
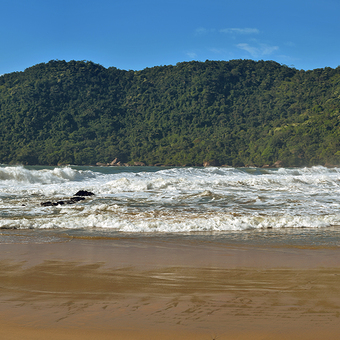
133, 35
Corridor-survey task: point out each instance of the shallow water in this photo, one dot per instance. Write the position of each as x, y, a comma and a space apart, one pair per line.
276, 206
306, 237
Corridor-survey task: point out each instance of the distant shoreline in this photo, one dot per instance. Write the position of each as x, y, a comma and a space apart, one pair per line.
126, 165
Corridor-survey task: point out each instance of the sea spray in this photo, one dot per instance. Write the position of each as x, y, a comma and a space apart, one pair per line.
172, 200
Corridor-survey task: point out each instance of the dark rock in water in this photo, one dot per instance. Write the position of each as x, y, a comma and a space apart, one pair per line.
70, 201
84, 193
48, 204
52, 204
75, 199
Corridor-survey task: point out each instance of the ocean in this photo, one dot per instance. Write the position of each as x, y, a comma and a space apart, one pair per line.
295, 206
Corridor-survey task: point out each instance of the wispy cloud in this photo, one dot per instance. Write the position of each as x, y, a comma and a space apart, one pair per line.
240, 30
249, 42
216, 50
259, 50
202, 30
290, 44
191, 55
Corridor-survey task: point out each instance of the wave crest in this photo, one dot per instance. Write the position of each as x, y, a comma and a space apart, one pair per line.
45, 176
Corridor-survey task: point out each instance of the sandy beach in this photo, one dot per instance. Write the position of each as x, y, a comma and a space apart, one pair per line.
158, 289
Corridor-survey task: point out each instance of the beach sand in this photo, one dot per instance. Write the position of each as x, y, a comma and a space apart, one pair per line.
149, 288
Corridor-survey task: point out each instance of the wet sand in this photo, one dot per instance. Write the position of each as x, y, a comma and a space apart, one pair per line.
158, 289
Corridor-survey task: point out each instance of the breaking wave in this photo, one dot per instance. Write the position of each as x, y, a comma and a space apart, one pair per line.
170, 200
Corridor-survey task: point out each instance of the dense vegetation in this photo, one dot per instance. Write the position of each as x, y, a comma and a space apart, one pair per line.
238, 113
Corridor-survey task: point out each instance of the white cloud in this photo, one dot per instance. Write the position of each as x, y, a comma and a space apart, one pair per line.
265, 49
240, 30
252, 44
258, 51
191, 55
252, 50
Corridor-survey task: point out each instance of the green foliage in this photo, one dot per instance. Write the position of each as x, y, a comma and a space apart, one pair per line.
238, 113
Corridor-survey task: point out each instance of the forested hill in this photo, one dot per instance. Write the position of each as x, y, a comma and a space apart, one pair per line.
234, 113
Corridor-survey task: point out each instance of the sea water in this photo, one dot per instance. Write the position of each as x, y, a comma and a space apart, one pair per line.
299, 205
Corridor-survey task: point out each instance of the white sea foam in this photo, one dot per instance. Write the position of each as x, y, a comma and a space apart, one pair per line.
18, 174
170, 200
177, 223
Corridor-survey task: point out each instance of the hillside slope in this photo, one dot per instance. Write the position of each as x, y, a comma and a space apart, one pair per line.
238, 113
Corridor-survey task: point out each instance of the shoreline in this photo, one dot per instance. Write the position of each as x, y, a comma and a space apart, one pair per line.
156, 289
160, 165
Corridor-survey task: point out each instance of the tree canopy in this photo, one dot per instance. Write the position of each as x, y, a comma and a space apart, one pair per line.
239, 113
